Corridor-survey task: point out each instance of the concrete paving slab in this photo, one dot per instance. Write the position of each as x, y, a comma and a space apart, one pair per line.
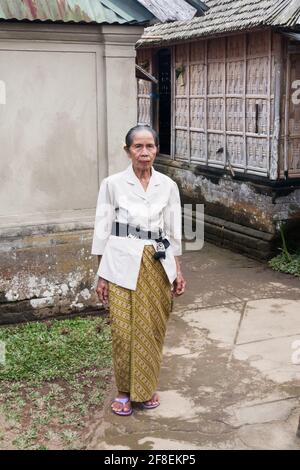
273, 358
278, 435
221, 322
156, 443
216, 276
269, 318
176, 405
258, 413
216, 394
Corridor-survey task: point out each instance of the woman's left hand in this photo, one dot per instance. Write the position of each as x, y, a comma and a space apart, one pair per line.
179, 285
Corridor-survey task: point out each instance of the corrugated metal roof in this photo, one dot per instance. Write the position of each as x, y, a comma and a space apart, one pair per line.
226, 16
202, 7
87, 11
129, 9
170, 10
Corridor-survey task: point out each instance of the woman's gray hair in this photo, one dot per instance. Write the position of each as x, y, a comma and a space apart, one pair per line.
134, 130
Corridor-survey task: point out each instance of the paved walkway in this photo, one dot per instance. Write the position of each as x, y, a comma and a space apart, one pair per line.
228, 380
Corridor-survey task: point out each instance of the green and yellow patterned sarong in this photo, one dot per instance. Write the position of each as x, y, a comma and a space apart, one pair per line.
139, 320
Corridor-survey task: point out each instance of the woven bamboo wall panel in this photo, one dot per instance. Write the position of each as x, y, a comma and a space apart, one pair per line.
235, 46
272, 84
215, 114
197, 113
293, 140
235, 150
272, 116
144, 59
222, 99
181, 80
181, 144
257, 116
276, 44
281, 151
216, 49
181, 69
181, 53
257, 76
216, 78
294, 154
197, 79
257, 153
282, 115
294, 117
234, 114
197, 52
181, 112
216, 148
235, 77
144, 115
258, 43
198, 146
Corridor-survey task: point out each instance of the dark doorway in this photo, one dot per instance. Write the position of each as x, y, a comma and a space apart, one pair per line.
164, 118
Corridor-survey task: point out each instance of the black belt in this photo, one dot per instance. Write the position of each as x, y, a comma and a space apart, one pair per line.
120, 229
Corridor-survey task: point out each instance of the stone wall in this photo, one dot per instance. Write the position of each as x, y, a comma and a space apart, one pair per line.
240, 213
47, 272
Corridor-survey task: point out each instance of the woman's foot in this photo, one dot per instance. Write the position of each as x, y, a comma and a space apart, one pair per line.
153, 403
121, 405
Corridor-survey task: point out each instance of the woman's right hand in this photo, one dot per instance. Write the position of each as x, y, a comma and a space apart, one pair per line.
102, 291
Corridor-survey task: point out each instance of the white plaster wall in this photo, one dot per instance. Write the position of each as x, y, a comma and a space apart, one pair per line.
67, 99
48, 131
121, 90
121, 107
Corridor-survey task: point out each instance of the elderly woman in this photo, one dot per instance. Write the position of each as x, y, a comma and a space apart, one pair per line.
137, 238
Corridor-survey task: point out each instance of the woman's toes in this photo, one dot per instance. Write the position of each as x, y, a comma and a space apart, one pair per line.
155, 399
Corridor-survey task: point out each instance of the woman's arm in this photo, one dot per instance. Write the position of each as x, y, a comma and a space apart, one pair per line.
102, 288
173, 228
179, 283
102, 230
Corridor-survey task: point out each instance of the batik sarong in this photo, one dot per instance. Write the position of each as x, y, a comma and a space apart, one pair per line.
138, 322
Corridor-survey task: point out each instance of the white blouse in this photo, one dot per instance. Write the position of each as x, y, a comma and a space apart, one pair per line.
122, 198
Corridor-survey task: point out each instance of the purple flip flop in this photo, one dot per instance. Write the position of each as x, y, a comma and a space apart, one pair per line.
123, 401
150, 407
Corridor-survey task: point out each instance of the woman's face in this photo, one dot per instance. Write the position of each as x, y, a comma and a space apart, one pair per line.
143, 150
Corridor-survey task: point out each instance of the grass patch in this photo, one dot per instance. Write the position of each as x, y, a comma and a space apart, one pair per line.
54, 380
286, 262
57, 349
289, 265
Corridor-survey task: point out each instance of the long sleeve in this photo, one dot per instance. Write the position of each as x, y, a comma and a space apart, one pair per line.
172, 220
103, 219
